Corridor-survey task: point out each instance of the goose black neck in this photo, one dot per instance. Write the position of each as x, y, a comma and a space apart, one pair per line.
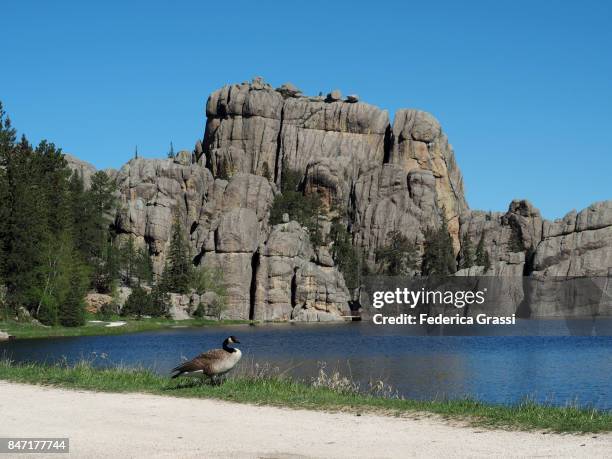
227, 348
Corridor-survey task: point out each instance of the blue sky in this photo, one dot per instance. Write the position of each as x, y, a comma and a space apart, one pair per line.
522, 88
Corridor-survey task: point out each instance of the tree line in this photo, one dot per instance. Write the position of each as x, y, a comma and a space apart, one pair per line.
57, 241
53, 233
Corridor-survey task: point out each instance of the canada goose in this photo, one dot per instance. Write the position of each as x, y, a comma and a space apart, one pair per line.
213, 363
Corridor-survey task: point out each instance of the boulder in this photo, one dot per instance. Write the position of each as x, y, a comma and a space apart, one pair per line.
183, 157
334, 96
182, 306
95, 301
123, 293
5, 336
289, 90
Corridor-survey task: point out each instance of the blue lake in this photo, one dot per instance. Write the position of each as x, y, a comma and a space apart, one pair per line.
553, 361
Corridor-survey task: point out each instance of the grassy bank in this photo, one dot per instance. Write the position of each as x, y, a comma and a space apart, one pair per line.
21, 330
279, 391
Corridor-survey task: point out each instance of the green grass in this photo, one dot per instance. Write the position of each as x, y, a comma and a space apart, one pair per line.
22, 330
280, 391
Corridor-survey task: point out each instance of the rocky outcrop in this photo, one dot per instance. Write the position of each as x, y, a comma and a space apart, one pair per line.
418, 143
255, 129
153, 194
572, 265
332, 143
313, 129
290, 284
506, 236
182, 307
387, 198
376, 177
242, 130
568, 262
580, 244
83, 168
94, 302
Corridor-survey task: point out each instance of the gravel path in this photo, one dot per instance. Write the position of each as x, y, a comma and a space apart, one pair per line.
138, 425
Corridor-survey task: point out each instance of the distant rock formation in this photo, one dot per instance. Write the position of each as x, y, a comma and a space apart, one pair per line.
378, 177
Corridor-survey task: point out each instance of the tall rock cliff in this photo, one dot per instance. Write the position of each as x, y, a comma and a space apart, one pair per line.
376, 177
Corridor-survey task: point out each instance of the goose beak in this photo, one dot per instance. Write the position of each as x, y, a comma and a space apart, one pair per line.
236, 341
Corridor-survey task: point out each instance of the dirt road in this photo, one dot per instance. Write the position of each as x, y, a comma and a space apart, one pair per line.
136, 425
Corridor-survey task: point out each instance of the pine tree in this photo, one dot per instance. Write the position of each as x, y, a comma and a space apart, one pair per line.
128, 261
177, 275
26, 227
137, 303
49, 232
106, 271
159, 303
171, 151
81, 215
7, 144
438, 257
399, 256
482, 255
102, 253
467, 256
143, 267
72, 308
344, 254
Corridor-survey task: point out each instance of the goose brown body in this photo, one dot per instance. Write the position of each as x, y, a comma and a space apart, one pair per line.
213, 363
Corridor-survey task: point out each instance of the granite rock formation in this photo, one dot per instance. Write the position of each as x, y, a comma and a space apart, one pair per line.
377, 177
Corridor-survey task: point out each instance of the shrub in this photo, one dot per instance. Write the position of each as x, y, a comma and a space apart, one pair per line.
302, 208
210, 280
399, 257
467, 255
107, 311
141, 303
345, 255
482, 255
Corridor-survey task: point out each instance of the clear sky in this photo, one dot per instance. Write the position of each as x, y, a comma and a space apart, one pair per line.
522, 88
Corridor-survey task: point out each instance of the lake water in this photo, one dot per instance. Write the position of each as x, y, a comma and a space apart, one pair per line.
552, 361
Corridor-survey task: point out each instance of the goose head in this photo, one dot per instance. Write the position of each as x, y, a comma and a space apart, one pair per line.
230, 340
